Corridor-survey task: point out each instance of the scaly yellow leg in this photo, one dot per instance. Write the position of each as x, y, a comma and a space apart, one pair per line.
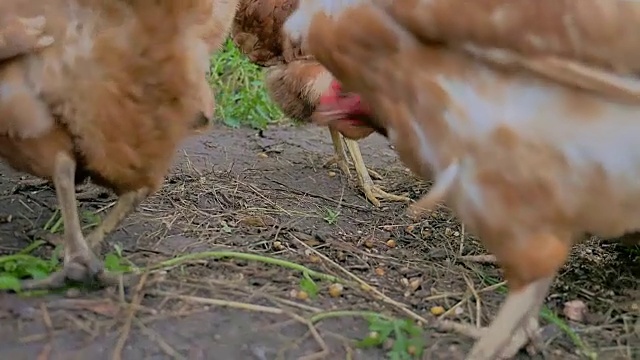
80, 264
371, 190
125, 205
340, 157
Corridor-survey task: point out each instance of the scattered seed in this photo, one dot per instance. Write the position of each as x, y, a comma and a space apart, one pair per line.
437, 310
335, 290
368, 243
379, 271
302, 295
332, 173
263, 155
391, 243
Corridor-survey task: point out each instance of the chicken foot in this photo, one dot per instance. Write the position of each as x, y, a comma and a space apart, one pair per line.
515, 326
371, 191
340, 157
80, 263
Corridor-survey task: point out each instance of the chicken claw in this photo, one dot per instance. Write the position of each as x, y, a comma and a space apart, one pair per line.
21, 35
371, 191
80, 264
85, 269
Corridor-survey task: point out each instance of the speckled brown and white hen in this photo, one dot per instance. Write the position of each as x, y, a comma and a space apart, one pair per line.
525, 112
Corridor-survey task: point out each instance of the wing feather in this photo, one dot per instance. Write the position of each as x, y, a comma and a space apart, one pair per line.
591, 44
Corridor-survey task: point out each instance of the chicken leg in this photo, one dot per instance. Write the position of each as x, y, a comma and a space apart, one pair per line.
340, 157
371, 191
125, 205
80, 264
515, 326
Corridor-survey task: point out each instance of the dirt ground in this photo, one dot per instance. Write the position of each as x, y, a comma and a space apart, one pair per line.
268, 194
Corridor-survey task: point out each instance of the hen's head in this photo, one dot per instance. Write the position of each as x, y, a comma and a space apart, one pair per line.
344, 112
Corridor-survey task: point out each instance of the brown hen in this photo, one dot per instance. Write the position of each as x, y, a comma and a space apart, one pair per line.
124, 83
526, 113
295, 81
214, 27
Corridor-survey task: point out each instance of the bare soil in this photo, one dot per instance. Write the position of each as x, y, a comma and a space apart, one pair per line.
267, 193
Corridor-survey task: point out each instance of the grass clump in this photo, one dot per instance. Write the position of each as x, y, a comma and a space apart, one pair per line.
241, 97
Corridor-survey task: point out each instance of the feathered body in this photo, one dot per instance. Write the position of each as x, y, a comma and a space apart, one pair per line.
121, 87
531, 145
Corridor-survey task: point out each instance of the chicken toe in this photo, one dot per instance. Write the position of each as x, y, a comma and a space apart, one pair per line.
513, 327
371, 191
528, 335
